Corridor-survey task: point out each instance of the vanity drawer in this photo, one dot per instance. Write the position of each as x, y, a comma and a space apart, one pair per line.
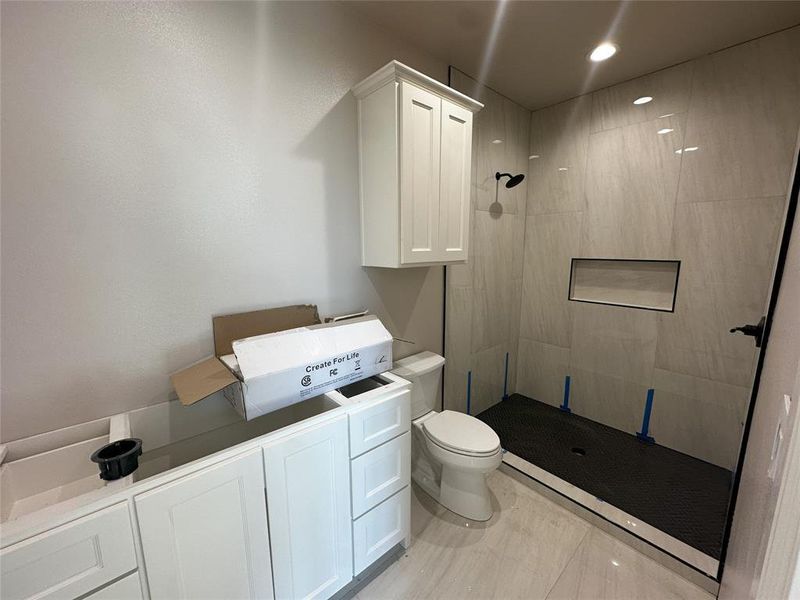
380, 529
380, 473
127, 588
375, 424
70, 560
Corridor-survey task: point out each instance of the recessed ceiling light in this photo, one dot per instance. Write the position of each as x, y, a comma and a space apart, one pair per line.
666, 115
497, 141
532, 156
691, 148
603, 52
643, 100
665, 130
562, 168
679, 151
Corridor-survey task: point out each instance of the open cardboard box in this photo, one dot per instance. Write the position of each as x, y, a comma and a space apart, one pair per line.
268, 359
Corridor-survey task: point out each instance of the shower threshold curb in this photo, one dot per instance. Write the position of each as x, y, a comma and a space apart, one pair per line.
688, 562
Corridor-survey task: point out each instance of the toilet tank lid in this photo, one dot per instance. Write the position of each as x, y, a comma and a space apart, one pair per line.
418, 364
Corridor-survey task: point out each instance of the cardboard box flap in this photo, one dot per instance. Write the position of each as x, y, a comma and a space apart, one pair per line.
228, 328
201, 380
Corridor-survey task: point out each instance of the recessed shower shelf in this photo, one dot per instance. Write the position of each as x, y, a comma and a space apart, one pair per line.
633, 283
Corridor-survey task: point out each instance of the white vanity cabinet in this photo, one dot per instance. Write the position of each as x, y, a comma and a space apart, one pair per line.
224, 508
380, 467
415, 149
205, 535
308, 496
71, 560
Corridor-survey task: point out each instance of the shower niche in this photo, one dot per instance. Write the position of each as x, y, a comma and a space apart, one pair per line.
633, 283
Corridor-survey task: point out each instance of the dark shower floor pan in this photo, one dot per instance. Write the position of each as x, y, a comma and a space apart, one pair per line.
682, 496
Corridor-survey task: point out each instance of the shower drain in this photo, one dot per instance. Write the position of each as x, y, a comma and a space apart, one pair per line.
579, 451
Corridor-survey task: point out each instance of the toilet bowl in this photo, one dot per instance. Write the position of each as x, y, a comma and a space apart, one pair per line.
451, 452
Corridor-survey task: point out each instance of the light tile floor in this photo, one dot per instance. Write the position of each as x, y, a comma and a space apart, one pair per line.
531, 548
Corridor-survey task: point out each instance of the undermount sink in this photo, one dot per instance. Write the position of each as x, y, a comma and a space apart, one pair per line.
50, 468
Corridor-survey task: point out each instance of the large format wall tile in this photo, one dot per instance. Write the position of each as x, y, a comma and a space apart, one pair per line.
559, 139
699, 417
544, 372
458, 338
488, 369
631, 181
670, 88
696, 338
743, 120
493, 238
500, 143
455, 389
732, 240
727, 249
613, 401
615, 341
483, 297
550, 242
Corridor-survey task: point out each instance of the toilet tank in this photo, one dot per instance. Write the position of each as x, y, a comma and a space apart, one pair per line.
424, 371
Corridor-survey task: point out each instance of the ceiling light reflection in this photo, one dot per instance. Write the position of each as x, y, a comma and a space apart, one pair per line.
603, 52
643, 100
665, 130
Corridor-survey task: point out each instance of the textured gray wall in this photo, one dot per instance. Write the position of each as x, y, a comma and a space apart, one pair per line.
165, 162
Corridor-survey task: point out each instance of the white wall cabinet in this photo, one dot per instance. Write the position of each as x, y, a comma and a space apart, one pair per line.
415, 148
308, 495
205, 535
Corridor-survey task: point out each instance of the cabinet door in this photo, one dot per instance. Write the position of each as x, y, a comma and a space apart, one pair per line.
308, 495
454, 195
420, 137
205, 535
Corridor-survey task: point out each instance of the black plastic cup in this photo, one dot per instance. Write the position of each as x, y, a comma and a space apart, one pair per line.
118, 459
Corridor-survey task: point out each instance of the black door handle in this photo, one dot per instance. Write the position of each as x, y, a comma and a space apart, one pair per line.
756, 331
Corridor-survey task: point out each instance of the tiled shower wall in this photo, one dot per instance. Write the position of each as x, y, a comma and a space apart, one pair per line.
483, 296
699, 174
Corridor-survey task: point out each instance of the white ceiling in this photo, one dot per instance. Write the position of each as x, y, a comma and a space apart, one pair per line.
540, 48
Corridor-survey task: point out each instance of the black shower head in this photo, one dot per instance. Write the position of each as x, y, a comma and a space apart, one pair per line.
513, 179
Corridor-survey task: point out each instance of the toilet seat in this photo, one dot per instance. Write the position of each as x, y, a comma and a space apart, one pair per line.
462, 434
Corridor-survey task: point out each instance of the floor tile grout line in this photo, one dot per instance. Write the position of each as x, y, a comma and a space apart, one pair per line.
571, 557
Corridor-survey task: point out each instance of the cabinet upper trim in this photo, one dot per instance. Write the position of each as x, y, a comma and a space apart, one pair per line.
397, 71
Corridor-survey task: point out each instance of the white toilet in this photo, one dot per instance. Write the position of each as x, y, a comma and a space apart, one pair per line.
451, 452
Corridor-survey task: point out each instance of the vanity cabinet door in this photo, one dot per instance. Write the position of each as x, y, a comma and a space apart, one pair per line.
205, 535
308, 495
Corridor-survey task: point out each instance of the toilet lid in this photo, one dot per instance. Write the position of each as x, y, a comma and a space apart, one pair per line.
462, 433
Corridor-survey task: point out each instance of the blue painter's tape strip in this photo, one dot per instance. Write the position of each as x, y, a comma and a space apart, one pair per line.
565, 406
505, 380
469, 389
648, 408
